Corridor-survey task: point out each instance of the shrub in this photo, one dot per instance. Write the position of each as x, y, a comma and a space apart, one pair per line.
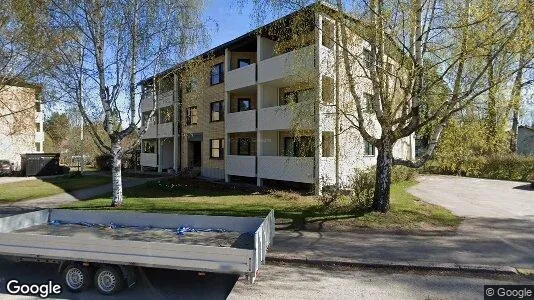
363, 186
104, 162
402, 173
505, 167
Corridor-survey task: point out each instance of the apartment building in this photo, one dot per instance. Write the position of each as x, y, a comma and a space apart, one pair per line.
21, 121
263, 108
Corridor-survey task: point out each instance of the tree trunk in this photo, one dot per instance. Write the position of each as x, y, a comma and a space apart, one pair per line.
384, 165
116, 175
513, 137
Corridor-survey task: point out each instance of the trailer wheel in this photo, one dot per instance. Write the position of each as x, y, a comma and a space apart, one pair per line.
76, 277
109, 280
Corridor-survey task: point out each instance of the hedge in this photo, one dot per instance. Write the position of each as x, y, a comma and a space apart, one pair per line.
505, 167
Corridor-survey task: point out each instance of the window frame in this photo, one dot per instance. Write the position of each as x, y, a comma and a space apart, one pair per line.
297, 144
220, 148
220, 73
239, 100
368, 97
366, 149
221, 110
247, 60
248, 149
189, 115
164, 118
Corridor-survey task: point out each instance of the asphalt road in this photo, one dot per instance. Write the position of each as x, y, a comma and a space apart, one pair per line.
274, 282
478, 198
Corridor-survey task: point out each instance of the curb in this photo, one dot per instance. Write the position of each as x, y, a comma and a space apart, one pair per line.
481, 269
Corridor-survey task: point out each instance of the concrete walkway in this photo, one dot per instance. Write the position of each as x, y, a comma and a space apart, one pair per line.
83, 194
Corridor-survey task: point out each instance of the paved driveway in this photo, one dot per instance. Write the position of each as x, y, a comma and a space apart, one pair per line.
478, 198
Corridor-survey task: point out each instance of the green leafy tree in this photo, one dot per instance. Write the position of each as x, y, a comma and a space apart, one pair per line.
57, 127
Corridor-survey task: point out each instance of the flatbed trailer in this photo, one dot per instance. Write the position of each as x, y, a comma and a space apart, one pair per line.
110, 261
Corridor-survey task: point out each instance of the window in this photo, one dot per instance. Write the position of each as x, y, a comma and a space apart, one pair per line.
38, 106
328, 90
243, 62
368, 98
191, 86
367, 58
217, 74
38, 147
166, 114
328, 144
243, 104
38, 127
191, 117
302, 146
149, 146
369, 149
328, 34
217, 148
243, 146
217, 111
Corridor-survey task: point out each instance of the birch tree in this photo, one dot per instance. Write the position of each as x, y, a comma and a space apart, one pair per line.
409, 42
112, 46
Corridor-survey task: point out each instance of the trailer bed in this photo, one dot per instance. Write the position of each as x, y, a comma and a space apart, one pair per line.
235, 245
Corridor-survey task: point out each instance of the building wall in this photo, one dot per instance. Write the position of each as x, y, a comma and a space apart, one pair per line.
201, 98
18, 131
525, 141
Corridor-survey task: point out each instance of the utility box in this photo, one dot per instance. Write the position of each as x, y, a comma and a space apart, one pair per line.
40, 164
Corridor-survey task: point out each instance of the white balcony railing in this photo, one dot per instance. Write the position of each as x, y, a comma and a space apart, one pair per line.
149, 159
39, 137
243, 121
294, 116
159, 131
297, 62
241, 165
296, 169
164, 99
240, 78
165, 130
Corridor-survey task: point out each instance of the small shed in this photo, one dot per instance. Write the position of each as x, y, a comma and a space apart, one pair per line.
40, 164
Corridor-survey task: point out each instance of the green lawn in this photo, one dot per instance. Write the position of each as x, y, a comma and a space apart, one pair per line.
30, 189
190, 196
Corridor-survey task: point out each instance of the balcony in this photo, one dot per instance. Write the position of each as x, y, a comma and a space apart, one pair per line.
294, 116
160, 131
241, 165
164, 99
240, 78
296, 169
149, 160
243, 121
39, 137
298, 63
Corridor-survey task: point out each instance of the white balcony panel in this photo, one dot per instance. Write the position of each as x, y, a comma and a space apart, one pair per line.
39, 117
327, 61
151, 132
294, 63
149, 159
241, 165
39, 137
296, 169
164, 99
243, 121
294, 116
240, 78
165, 130
327, 170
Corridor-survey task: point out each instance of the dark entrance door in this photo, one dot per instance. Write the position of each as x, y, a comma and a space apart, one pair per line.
196, 151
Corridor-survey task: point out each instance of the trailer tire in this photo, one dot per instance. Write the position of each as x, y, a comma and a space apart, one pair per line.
109, 280
76, 277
